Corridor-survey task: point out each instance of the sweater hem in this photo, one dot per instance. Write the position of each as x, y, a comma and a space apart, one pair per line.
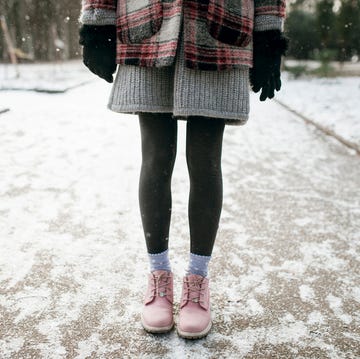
268, 22
98, 17
138, 108
230, 118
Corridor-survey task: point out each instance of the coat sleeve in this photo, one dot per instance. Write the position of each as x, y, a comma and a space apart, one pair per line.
98, 12
269, 14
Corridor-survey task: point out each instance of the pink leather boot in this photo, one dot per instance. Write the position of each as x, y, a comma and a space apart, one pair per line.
194, 317
157, 313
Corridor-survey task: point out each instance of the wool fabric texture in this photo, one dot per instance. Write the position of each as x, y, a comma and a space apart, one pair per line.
218, 32
98, 17
182, 91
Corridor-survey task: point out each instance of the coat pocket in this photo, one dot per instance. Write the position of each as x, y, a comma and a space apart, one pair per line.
231, 21
137, 20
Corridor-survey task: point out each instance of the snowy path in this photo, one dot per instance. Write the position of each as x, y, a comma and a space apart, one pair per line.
331, 103
285, 274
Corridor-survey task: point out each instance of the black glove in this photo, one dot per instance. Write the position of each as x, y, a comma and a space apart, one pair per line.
268, 47
99, 53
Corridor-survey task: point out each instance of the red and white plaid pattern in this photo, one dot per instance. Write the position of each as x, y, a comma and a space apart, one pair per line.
138, 20
99, 4
270, 7
217, 33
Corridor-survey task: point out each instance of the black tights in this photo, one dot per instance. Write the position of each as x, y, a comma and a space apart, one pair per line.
203, 155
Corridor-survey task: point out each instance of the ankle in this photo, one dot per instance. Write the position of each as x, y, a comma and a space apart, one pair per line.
159, 261
198, 264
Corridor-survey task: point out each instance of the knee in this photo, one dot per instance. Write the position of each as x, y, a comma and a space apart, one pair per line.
159, 161
203, 166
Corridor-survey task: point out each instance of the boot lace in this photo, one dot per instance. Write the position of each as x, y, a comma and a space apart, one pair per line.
194, 291
160, 285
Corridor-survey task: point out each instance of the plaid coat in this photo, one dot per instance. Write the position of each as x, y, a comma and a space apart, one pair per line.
217, 33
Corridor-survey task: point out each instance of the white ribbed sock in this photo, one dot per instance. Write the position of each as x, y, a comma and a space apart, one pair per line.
159, 261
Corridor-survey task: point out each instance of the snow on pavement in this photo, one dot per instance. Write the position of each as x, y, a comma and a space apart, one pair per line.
330, 102
73, 264
45, 76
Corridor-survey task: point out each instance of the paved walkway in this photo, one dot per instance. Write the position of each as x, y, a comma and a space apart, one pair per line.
285, 273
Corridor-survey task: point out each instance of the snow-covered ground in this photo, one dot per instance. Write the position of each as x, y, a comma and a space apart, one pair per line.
285, 269
334, 103
48, 77
348, 68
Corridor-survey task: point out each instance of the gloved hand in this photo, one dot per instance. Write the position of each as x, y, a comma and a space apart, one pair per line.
99, 52
268, 47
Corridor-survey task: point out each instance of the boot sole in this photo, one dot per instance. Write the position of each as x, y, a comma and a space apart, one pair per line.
198, 335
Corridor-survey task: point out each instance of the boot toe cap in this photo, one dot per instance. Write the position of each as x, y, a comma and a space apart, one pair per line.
194, 323
161, 320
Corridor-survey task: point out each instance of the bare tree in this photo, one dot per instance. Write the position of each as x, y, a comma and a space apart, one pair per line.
42, 29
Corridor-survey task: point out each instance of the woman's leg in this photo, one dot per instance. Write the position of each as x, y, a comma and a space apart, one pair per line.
158, 136
203, 154
159, 141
